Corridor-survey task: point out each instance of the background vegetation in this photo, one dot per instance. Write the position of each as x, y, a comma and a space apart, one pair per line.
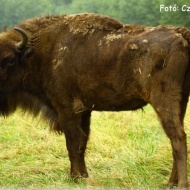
144, 12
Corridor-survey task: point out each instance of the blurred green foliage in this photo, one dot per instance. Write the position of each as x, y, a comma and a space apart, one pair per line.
143, 12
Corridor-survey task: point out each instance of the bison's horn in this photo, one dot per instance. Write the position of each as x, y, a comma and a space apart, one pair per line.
22, 44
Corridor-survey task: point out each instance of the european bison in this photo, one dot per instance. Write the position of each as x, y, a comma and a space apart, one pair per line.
67, 66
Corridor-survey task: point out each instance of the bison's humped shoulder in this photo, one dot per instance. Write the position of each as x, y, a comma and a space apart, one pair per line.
88, 22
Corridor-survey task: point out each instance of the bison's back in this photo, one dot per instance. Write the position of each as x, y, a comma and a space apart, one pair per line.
106, 63
117, 71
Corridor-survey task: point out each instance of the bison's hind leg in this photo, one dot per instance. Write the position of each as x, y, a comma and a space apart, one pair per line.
168, 108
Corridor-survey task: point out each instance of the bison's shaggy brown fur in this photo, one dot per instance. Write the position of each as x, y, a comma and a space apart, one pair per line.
67, 66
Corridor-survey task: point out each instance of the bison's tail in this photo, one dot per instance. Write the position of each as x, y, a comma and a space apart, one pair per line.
185, 33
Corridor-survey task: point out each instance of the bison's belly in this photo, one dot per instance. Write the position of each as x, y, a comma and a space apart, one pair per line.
103, 97
115, 105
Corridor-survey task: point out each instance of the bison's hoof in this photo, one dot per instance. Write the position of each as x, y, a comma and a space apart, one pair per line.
85, 175
77, 177
174, 187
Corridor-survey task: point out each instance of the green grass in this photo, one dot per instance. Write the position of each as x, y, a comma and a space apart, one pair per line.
126, 149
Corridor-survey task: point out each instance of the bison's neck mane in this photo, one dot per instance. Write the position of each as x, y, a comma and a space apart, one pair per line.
28, 103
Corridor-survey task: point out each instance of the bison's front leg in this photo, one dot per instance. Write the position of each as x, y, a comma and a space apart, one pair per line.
76, 130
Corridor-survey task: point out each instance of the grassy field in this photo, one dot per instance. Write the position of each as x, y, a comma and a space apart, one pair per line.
127, 149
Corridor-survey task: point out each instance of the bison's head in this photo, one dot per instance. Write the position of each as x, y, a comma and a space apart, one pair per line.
13, 52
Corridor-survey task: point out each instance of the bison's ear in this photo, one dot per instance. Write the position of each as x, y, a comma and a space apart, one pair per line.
22, 45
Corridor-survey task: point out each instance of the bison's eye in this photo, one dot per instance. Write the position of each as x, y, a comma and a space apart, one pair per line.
11, 61
8, 61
